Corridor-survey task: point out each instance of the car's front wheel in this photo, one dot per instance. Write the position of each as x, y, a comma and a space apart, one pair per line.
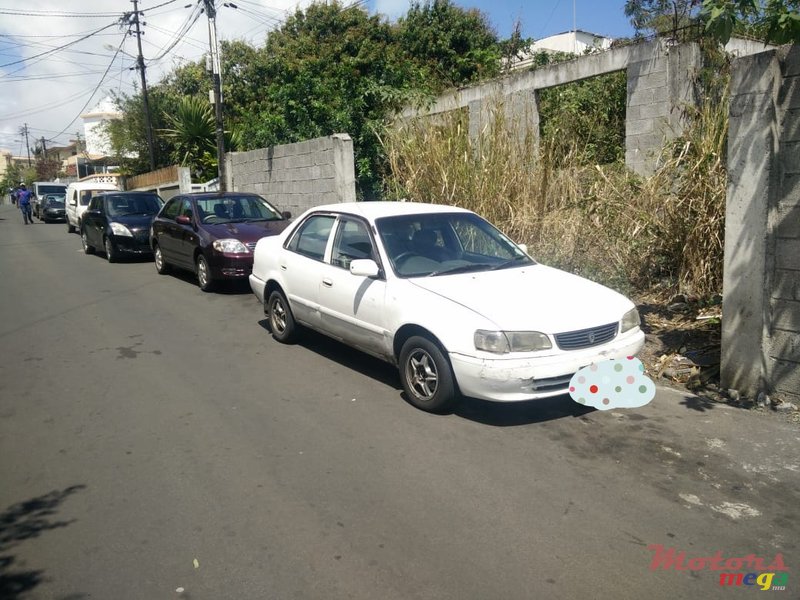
426, 376
87, 247
111, 252
158, 258
204, 274
281, 320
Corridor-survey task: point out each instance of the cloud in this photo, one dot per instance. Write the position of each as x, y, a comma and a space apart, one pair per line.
616, 383
49, 91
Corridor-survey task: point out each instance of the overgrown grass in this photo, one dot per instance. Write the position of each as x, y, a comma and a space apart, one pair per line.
603, 222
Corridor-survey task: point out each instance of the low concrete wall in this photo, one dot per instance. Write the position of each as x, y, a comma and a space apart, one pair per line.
761, 287
298, 176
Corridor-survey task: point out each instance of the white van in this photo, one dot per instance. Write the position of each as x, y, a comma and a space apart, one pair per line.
79, 193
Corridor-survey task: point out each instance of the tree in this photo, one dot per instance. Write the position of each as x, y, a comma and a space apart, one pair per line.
329, 69
194, 138
662, 17
777, 21
455, 46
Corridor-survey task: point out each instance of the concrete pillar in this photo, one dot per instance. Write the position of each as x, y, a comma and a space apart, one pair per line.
184, 180
752, 149
660, 86
344, 167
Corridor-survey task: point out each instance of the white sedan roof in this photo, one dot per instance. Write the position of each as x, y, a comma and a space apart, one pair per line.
376, 210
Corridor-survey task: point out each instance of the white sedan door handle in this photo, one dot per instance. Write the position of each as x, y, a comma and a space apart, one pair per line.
327, 282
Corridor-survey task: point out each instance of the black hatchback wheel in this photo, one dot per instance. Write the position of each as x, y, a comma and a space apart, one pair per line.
158, 258
426, 376
111, 252
87, 247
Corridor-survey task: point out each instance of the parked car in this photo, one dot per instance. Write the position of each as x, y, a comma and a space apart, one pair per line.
51, 208
79, 194
41, 190
213, 234
119, 223
442, 294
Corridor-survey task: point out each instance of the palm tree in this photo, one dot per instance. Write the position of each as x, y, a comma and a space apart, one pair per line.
193, 134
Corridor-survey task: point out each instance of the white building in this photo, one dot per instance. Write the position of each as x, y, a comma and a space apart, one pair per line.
570, 42
97, 142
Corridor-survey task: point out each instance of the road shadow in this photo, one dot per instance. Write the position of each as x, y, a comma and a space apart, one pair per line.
224, 288
24, 521
347, 357
497, 414
513, 414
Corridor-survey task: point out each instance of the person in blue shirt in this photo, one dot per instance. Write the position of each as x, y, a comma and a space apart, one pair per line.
24, 203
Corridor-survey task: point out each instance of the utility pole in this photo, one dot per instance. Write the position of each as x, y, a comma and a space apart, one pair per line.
216, 70
140, 63
24, 131
78, 154
44, 150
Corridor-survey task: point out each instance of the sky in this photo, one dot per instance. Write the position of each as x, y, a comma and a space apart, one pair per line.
48, 87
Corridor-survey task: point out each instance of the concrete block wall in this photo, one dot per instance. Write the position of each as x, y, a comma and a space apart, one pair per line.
660, 83
299, 176
761, 282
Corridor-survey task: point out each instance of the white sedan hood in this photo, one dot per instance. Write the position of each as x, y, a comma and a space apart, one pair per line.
532, 298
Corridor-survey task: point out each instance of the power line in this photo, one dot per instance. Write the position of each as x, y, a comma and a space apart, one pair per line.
99, 83
54, 14
53, 50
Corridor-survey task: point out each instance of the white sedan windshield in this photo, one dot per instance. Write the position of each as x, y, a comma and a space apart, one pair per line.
446, 243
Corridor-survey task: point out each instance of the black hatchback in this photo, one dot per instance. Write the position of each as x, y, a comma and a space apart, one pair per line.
119, 223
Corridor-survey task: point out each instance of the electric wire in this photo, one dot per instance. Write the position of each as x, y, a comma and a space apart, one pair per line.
22, 60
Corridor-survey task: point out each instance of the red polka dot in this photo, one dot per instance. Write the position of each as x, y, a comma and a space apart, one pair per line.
572, 388
630, 379
593, 389
630, 358
605, 400
593, 367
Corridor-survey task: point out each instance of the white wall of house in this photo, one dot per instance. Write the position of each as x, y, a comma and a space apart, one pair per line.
575, 42
97, 142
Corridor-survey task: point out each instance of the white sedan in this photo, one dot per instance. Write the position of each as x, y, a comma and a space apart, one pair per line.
444, 295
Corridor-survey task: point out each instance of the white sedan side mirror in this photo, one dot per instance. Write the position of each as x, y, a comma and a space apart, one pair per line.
523, 247
364, 267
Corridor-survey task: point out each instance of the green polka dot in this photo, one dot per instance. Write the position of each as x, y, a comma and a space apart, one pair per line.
618, 389
582, 400
641, 367
642, 389
618, 367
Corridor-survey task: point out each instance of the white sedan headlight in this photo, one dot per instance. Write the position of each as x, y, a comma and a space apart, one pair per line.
230, 246
120, 229
501, 342
629, 320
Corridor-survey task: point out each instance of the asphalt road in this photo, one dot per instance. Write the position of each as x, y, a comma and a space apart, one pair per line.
154, 438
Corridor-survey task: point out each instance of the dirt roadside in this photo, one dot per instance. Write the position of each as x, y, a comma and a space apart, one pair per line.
682, 350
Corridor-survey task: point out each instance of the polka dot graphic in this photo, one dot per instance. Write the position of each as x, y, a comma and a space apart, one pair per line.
615, 383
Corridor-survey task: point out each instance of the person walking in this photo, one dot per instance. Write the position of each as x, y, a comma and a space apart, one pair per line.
24, 203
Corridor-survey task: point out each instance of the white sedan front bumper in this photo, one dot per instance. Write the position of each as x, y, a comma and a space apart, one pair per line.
518, 379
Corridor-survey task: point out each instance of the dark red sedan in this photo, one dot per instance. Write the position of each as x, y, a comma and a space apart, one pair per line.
213, 234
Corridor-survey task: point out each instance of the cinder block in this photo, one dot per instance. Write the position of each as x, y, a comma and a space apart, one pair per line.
791, 62
785, 378
785, 315
787, 253
756, 73
790, 126
640, 97
635, 128
786, 285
